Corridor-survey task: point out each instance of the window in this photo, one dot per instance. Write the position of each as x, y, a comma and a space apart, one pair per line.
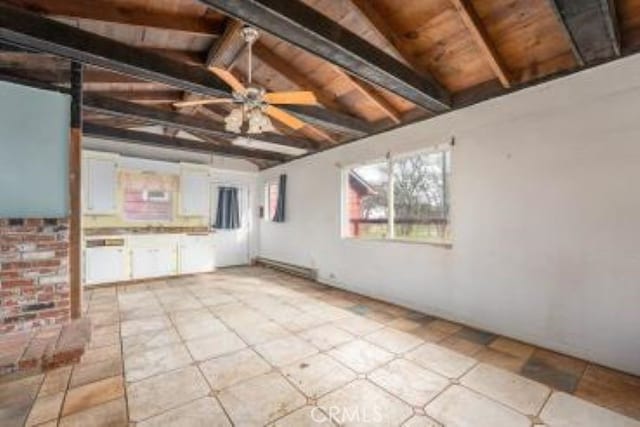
403, 197
270, 199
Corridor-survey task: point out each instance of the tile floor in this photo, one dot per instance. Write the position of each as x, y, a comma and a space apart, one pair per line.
254, 347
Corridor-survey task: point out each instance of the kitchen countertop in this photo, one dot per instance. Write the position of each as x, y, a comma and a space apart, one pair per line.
119, 231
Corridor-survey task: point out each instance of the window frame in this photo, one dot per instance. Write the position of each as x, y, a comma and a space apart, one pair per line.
390, 158
267, 198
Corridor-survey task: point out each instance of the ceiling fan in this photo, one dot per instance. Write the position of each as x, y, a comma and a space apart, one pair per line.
255, 103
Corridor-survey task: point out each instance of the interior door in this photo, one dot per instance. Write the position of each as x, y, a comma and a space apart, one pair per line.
231, 246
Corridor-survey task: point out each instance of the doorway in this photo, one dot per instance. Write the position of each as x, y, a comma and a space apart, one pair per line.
231, 246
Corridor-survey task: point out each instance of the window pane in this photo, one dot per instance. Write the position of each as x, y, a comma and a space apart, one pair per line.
367, 211
421, 197
273, 200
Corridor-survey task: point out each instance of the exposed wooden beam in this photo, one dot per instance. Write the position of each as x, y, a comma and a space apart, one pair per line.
226, 49
144, 96
591, 28
372, 96
105, 11
381, 25
155, 140
75, 192
49, 36
301, 25
287, 70
46, 35
185, 122
482, 39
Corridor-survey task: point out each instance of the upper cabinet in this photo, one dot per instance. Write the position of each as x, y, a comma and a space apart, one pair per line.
100, 184
194, 190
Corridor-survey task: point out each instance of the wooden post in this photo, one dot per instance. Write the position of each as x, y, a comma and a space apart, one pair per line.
75, 167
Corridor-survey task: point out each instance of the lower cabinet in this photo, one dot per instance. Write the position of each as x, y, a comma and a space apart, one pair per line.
196, 255
153, 262
105, 264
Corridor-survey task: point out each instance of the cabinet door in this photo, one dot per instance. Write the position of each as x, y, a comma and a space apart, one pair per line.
101, 183
104, 265
143, 263
196, 258
166, 261
194, 192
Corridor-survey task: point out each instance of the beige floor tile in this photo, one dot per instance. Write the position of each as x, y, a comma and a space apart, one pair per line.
357, 325
421, 421
361, 356
85, 373
461, 345
286, 350
515, 391
225, 371
394, 341
143, 342
302, 322
189, 330
260, 400
308, 416
261, 332
565, 410
17, 391
157, 394
101, 354
612, 389
441, 360
403, 324
45, 409
140, 365
318, 375
204, 412
214, 345
139, 326
500, 359
326, 336
55, 381
109, 414
86, 396
445, 326
409, 382
458, 406
361, 403
512, 347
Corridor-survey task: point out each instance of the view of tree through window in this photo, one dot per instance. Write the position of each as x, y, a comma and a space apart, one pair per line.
420, 198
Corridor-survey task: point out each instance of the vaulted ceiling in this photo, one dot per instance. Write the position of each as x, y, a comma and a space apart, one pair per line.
372, 64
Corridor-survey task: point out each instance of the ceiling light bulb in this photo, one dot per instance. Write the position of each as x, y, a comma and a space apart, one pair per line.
233, 122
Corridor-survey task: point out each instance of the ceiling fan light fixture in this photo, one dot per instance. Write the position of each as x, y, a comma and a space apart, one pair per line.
233, 122
259, 122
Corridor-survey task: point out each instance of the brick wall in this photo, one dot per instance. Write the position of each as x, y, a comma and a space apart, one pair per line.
34, 276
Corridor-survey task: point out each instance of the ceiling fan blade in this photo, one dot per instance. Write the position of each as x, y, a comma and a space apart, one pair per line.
229, 79
284, 117
294, 97
202, 102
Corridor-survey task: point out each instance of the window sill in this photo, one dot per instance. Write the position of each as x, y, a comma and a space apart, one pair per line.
444, 245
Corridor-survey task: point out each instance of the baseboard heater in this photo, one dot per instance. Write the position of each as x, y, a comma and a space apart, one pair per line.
296, 270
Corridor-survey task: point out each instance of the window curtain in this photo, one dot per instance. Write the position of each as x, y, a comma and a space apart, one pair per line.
228, 214
282, 194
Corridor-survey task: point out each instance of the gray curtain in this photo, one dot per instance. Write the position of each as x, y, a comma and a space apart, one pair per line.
282, 195
228, 214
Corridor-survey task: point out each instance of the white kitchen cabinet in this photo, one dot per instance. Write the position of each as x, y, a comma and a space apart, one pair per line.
153, 262
194, 191
105, 265
100, 185
196, 255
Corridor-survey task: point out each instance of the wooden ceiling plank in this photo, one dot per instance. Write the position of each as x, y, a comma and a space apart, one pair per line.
591, 28
482, 39
226, 49
373, 96
103, 11
301, 25
49, 36
185, 122
46, 35
155, 140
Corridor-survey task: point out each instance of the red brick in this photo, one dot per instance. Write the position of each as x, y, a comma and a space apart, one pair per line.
12, 283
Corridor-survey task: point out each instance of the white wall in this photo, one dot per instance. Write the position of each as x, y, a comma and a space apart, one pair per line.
546, 218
